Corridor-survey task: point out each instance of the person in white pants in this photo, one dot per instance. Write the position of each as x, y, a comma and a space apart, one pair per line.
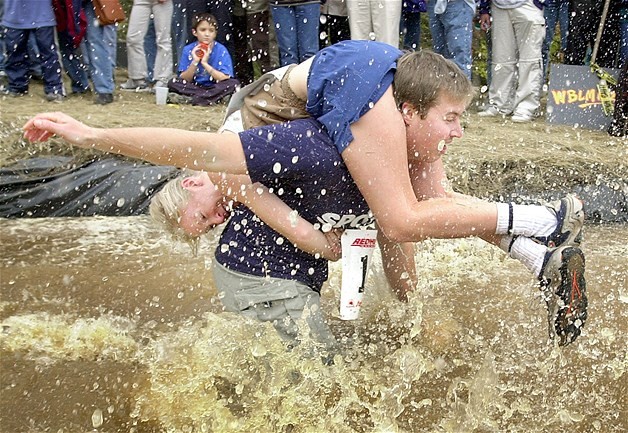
518, 30
161, 10
375, 20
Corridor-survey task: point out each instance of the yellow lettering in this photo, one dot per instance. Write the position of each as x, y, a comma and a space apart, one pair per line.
572, 96
559, 96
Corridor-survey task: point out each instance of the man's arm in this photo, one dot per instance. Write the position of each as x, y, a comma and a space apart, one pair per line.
161, 146
399, 266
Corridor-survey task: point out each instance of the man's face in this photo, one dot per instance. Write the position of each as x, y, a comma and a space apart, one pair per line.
428, 138
206, 206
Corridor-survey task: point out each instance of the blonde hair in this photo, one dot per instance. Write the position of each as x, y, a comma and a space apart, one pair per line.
423, 76
165, 209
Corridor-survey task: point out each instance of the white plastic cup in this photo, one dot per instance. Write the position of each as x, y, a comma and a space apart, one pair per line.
357, 253
161, 95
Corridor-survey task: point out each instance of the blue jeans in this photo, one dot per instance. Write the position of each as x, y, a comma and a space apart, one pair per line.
556, 12
18, 65
72, 60
452, 32
3, 57
411, 30
101, 52
302, 22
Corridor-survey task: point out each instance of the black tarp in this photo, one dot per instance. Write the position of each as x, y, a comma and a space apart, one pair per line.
56, 186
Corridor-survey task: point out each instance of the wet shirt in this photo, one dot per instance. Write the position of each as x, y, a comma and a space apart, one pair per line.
219, 59
298, 162
345, 80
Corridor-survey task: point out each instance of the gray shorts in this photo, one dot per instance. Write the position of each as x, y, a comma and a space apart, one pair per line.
275, 300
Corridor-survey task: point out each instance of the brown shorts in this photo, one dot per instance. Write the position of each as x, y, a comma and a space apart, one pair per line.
271, 100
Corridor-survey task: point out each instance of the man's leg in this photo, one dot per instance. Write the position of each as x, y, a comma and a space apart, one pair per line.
504, 61
16, 66
459, 34
529, 26
163, 23
386, 21
138, 25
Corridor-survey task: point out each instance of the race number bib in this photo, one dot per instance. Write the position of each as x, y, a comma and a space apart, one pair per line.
357, 251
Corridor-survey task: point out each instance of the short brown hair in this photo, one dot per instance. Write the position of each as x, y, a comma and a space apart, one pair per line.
423, 76
204, 16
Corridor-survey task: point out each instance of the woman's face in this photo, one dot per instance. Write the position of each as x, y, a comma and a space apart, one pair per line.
206, 206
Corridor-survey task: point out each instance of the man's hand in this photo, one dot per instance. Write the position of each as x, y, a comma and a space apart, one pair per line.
44, 125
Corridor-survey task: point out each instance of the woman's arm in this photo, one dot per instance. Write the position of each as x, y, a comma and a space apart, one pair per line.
279, 216
162, 146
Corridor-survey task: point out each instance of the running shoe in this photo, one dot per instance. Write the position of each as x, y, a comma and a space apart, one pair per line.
135, 85
569, 214
564, 291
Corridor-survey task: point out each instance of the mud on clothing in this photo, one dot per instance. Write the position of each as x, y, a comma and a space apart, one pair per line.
298, 162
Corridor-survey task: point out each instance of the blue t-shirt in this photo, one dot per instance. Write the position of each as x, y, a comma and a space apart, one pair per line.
219, 59
300, 164
345, 80
19, 14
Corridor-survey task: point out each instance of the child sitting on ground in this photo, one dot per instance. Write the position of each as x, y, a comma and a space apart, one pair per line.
205, 68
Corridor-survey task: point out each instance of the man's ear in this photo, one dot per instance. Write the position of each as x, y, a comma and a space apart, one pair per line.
407, 112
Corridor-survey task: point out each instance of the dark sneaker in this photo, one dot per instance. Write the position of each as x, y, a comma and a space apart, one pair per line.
570, 219
565, 292
14, 94
135, 85
54, 97
103, 99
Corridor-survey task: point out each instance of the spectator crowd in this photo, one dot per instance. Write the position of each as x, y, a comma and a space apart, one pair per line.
203, 50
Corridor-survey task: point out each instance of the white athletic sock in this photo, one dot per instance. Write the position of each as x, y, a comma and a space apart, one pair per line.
530, 253
504, 243
524, 220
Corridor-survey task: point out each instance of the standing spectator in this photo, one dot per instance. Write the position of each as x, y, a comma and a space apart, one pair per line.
336, 20
296, 26
451, 24
556, 13
100, 46
583, 28
37, 19
375, 20
71, 29
619, 125
623, 31
242, 62
3, 57
161, 11
517, 34
205, 67
259, 23
411, 23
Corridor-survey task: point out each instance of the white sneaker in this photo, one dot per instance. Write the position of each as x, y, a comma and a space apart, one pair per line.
491, 111
521, 118
135, 85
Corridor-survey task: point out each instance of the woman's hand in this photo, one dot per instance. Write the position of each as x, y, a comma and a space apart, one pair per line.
334, 245
44, 125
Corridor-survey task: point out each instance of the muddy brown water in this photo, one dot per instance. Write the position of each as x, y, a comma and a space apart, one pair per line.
108, 326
